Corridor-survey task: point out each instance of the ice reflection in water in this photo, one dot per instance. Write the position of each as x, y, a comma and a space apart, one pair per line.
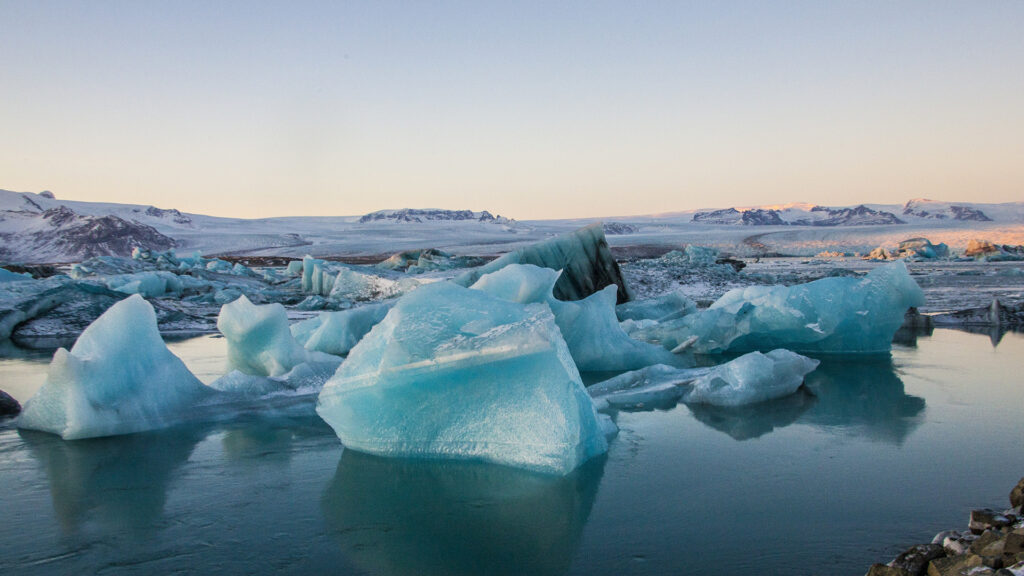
112, 484
398, 516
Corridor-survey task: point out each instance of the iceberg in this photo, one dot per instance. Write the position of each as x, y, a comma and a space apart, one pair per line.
350, 284
589, 326
146, 284
458, 374
8, 276
428, 260
831, 315
583, 257
669, 306
596, 340
118, 378
337, 332
749, 379
259, 340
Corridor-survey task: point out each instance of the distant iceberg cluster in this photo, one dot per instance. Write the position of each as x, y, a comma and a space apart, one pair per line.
483, 366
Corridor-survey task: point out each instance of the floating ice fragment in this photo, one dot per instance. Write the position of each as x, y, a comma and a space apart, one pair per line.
259, 341
751, 378
337, 332
839, 314
455, 373
118, 378
663, 308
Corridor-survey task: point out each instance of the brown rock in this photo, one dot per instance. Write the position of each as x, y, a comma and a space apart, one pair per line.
968, 564
1017, 495
986, 518
1013, 547
988, 543
916, 558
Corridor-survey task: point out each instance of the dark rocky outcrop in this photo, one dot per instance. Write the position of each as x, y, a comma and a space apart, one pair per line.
8, 405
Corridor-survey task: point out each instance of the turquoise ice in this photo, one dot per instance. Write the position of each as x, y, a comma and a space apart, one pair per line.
456, 373
834, 315
118, 378
589, 326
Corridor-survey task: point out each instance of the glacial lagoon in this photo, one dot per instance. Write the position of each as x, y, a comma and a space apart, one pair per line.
879, 453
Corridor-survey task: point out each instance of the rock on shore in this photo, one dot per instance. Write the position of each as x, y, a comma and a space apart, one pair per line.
993, 544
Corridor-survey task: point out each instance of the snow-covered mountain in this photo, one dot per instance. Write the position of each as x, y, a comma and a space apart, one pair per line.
42, 228
930, 209
35, 231
431, 215
799, 216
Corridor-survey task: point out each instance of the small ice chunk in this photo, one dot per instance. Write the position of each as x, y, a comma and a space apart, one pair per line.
350, 284
118, 378
337, 332
751, 378
305, 377
147, 284
660, 309
455, 373
259, 340
658, 385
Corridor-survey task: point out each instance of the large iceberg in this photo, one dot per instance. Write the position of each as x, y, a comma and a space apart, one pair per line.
456, 373
749, 379
839, 314
583, 257
118, 378
589, 326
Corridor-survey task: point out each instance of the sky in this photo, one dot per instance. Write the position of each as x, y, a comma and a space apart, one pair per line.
530, 110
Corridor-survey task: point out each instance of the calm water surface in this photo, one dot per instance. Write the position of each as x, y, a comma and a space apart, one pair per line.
883, 453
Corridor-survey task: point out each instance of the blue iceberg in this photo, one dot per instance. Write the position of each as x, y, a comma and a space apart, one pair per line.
118, 378
589, 326
831, 315
456, 373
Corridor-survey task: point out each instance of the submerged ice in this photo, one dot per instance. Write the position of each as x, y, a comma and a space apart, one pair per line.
118, 378
456, 373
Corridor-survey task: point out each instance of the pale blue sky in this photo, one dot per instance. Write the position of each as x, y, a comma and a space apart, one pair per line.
532, 110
